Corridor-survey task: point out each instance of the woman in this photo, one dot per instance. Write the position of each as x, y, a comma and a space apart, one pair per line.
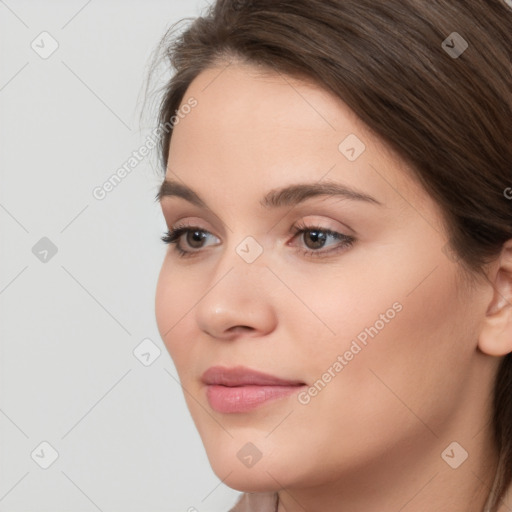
337, 294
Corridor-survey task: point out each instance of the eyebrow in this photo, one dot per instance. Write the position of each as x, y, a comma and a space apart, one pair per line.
277, 198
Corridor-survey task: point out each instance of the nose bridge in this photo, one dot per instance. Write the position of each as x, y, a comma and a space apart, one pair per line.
239, 290
244, 251
242, 268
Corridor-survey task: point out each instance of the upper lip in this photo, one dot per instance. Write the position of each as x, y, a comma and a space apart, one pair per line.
242, 376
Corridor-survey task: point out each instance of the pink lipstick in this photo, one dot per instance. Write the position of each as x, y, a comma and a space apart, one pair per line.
241, 389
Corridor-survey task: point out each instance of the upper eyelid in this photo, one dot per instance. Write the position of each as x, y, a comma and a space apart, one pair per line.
169, 208
295, 230
325, 218
170, 212
322, 222
187, 228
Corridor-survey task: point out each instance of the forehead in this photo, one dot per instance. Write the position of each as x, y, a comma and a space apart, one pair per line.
257, 129
247, 96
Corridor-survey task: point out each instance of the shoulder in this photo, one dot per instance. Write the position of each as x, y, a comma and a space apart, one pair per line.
256, 502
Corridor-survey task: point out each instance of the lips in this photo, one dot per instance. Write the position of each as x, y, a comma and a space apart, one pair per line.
240, 389
242, 376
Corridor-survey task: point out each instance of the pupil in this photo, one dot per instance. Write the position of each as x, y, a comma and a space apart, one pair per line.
317, 238
195, 237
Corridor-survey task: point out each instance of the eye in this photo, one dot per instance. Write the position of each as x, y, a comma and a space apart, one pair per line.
316, 238
194, 238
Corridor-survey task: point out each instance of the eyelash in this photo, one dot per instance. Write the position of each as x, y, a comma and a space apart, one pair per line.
173, 236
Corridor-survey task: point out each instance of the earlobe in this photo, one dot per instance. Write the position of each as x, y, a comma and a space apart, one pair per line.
496, 335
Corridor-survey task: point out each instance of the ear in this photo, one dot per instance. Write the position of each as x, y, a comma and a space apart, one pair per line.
496, 335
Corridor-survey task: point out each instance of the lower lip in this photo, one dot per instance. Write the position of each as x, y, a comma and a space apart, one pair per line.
227, 399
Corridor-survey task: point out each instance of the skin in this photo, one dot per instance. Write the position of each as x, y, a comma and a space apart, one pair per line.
372, 439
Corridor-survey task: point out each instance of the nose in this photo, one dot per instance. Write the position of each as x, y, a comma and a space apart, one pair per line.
238, 301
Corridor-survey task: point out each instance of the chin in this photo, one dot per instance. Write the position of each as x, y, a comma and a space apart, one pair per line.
250, 480
233, 465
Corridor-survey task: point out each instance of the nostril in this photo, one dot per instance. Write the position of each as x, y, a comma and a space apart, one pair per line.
240, 328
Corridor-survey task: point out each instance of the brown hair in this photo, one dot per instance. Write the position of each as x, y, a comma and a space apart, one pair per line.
449, 116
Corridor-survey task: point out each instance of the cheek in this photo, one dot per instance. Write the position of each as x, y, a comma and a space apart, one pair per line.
174, 302
394, 358
401, 308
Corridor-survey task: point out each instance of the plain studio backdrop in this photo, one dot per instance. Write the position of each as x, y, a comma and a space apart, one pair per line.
91, 415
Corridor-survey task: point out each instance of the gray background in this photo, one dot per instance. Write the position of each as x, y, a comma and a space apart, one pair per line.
70, 321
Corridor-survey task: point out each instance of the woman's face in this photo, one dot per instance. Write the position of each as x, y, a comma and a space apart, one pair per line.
375, 330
